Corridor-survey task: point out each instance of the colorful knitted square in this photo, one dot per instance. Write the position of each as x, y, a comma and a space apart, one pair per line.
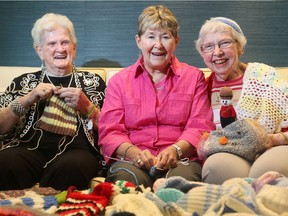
58, 117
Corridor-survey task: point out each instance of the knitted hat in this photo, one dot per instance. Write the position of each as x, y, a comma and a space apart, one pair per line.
86, 203
82, 203
245, 138
229, 22
226, 93
58, 117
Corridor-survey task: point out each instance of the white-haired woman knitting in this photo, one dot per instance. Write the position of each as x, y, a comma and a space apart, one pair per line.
48, 118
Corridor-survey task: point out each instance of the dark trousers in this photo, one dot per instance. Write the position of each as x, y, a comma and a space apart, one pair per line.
127, 171
22, 168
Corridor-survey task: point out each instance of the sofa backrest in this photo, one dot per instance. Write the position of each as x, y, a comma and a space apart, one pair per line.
9, 72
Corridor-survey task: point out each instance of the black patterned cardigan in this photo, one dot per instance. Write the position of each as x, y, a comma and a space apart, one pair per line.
91, 84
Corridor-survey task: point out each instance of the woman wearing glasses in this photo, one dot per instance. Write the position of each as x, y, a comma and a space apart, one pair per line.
258, 92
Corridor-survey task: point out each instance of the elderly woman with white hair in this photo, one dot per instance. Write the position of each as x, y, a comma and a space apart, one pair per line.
259, 92
49, 118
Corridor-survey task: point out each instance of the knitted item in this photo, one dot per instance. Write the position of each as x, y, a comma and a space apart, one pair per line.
44, 191
270, 177
227, 111
133, 203
264, 96
176, 182
21, 210
284, 125
245, 138
169, 195
82, 203
94, 203
272, 200
234, 195
32, 200
58, 117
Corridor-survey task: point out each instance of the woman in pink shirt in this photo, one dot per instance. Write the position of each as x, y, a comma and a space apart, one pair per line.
155, 110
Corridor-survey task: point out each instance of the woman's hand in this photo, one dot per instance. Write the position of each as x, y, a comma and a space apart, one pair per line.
167, 159
140, 158
75, 98
143, 159
8, 118
41, 92
278, 139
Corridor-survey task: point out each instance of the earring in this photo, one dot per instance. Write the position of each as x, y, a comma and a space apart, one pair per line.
43, 67
74, 68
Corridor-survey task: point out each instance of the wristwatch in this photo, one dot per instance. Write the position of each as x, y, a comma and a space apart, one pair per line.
178, 150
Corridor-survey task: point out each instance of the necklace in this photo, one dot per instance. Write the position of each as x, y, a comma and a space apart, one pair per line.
46, 74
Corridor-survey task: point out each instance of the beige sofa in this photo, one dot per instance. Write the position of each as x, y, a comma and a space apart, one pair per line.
9, 72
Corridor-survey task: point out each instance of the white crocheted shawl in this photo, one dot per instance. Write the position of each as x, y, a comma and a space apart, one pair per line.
264, 96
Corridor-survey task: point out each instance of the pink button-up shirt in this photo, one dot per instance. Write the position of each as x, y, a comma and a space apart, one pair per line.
135, 112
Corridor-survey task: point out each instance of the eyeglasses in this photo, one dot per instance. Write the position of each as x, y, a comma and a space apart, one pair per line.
210, 47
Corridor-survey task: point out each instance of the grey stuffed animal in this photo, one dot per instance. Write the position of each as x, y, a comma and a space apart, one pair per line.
245, 138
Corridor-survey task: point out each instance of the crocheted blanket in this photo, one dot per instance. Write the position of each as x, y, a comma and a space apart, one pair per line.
174, 196
264, 96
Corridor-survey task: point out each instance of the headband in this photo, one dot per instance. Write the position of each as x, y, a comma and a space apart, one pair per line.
229, 22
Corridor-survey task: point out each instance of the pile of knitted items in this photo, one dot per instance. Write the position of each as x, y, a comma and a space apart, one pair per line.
175, 196
94, 203
245, 138
42, 199
58, 117
264, 96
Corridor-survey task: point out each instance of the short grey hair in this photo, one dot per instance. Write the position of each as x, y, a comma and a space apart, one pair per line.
50, 22
213, 26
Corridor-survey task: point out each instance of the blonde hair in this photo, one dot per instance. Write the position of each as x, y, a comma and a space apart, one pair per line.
214, 26
157, 17
50, 22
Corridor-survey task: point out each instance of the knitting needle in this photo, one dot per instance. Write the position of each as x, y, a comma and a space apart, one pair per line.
117, 159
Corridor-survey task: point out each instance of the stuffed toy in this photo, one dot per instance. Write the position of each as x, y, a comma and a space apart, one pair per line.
284, 126
227, 111
244, 137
